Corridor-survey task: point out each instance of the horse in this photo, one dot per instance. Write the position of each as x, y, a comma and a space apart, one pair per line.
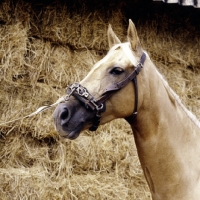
126, 84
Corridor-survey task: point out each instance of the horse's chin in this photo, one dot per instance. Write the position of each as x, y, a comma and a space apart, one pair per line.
72, 134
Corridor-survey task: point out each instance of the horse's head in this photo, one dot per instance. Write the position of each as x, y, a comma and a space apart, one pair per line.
107, 90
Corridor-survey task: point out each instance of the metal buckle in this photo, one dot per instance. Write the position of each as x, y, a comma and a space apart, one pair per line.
134, 114
98, 107
70, 89
140, 64
82, 91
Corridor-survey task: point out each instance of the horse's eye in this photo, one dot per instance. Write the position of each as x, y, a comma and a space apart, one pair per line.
116, 71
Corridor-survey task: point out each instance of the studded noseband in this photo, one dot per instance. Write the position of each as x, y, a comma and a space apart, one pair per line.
82, 94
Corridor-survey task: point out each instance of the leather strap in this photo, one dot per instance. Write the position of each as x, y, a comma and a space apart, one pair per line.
130, 77
136, 97
119, 85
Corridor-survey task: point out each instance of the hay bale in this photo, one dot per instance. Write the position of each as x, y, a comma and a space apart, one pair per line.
46, 46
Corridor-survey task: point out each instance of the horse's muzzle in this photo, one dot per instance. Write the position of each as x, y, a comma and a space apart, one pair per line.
71, 118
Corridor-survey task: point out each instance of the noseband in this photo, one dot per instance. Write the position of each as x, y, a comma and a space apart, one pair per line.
98, 105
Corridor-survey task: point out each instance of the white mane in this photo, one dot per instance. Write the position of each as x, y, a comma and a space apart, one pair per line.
176, 97
129, 54
127, 51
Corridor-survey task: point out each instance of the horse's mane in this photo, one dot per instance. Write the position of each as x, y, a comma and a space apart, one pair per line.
176, 97
178, 100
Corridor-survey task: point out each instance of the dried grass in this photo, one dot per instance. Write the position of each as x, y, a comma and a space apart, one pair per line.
43, 48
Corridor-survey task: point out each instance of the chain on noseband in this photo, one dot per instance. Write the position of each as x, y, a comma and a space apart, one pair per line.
82, 94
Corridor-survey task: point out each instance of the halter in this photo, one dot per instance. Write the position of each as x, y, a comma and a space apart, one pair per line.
98, 105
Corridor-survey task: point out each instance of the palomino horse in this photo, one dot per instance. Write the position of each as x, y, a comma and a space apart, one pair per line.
167, 135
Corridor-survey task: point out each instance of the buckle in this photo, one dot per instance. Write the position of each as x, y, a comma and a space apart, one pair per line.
134, 114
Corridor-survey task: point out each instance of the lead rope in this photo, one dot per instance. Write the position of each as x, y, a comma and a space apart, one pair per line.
41, 109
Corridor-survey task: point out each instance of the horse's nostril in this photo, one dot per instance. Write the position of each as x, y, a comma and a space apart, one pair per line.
64, 115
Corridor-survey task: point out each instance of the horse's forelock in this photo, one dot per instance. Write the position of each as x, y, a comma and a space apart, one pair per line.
126, 48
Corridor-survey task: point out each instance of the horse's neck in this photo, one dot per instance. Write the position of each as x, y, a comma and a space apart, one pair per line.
167, 140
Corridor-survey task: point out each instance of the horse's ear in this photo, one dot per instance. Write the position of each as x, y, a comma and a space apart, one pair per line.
112, 38
133, 37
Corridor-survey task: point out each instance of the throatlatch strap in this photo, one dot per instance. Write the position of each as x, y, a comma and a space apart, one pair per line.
136, 97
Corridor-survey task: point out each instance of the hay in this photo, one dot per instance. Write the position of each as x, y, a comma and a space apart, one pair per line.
46, 46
